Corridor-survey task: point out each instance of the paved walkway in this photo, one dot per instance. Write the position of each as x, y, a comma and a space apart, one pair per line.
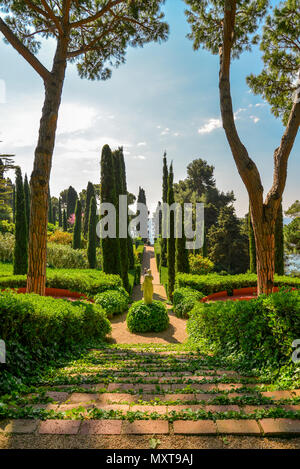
176, 332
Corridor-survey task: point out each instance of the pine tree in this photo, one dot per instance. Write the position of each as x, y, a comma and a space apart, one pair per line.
163, 256
252, 248
65, 223
91, 250
77, 226
71, 201
110, 247
27, 201
182, 255
171, 239
20, 261
279, 243
90, 192
60, 221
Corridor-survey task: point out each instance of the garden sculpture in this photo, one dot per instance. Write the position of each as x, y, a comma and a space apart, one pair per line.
147, 288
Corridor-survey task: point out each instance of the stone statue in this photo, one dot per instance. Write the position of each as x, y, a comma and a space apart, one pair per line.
147, 288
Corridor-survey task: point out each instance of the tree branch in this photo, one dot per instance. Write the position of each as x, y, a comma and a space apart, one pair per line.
245, 165
28, 56
48, 14
97, 15
281, 156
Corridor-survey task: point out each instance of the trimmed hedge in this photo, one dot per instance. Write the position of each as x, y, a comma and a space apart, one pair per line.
36, 328
89, 282
214, 283
184, 299
262, 329
139, 252
147, 318
113, 302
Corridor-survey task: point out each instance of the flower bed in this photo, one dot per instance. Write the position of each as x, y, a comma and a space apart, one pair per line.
61, 293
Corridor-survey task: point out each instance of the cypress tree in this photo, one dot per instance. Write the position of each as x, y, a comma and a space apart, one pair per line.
91, 250
182, 255
60, 221
142, 200
50, 209
20, 261
90, 192
164, 242
110, 247
77, 226
65, 223
54, 215
14, 203
123, 241
71, 201
27, 201
171, 239
252, 247
279, 243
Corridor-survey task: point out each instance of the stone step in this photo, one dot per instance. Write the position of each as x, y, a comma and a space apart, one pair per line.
263, 427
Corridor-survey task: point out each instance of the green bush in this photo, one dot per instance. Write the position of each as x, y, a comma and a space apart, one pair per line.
114, 302
61, 256
147, 318
263, 329
213, 283
139, 253
200, 265
157, 251
7, 244
89, 282
35, 327
184, 299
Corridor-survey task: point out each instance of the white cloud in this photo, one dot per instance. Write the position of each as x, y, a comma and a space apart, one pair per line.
176, 134
255, 119
210, 126
139, 157
166, 131
142, 144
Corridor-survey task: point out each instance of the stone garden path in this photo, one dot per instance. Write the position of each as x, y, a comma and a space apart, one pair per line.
176, 332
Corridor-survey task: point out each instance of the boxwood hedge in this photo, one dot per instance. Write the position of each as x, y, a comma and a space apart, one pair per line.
263, 329
213, 283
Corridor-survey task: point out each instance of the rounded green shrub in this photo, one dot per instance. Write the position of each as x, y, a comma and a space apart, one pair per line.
184, 299
113, 301
147, 318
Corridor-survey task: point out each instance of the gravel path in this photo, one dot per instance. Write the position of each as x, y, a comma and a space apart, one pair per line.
176, 332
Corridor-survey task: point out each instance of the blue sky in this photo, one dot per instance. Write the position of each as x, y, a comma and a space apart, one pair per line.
164, 98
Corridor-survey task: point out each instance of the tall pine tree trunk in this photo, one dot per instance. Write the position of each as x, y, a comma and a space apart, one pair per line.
37, 251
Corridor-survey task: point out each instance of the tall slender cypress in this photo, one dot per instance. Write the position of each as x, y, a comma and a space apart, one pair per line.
27, 201
65, 223
60, 220
279, 243
90, 192
71, 201
110, 247
50, 210
163, 256
91, 250
77, 226
54, 215
171, 239
123, 241
14, 203
182, 256
252, 247
20, 261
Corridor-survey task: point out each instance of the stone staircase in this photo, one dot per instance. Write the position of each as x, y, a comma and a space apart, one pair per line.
152, 390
